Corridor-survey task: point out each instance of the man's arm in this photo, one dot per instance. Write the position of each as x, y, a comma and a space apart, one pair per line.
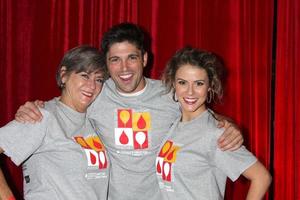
231, 139
5, 192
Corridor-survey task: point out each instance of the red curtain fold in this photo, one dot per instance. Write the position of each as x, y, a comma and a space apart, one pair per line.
287, 93
35, 34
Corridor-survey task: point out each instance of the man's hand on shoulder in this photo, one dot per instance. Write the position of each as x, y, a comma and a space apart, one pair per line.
232, 137
29, 112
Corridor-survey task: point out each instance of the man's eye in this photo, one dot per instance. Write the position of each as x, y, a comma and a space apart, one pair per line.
133, 57
114, 60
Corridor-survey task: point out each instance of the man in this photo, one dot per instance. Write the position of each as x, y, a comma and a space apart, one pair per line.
132, 116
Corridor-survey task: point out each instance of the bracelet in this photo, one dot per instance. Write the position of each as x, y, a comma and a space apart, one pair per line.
11, 198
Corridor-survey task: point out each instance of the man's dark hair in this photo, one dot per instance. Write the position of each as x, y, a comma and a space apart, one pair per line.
123, 32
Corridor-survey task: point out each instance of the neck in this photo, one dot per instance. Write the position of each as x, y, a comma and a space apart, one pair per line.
188, 116
138, 90
65, 99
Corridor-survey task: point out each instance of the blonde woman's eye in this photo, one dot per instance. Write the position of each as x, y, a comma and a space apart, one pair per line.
200, 83
181, 82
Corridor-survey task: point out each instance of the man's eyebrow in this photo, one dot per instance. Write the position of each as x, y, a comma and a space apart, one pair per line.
134, 54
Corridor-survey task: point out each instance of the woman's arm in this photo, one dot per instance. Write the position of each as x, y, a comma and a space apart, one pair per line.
260, 179
5, 192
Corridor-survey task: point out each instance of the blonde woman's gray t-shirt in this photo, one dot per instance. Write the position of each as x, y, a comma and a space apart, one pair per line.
190, 165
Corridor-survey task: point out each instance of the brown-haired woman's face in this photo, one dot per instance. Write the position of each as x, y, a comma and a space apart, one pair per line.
191, 88
81, 89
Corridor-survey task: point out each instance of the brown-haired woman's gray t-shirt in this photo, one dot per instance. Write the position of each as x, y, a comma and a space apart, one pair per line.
62, 157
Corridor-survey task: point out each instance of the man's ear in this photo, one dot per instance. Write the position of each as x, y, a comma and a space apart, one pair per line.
145, 59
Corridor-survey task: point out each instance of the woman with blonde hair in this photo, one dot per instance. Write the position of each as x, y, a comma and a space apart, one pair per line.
190, 165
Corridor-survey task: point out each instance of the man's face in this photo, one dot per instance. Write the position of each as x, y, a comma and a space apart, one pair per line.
125, 64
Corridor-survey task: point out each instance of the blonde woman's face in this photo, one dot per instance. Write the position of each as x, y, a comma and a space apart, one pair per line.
191, 88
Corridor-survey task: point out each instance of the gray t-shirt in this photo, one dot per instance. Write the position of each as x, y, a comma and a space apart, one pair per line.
133, 128
191, 166
62, 157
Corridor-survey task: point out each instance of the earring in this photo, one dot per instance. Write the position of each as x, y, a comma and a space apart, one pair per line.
210, 96
175, 97
62, 85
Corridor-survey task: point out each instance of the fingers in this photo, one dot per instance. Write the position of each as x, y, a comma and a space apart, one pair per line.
231, 139
39, 103
231, 145
28, 112
32, 110
238, 144
19, 118
221, 123
227, 132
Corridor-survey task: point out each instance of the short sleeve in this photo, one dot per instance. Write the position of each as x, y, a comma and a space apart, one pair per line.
19, 140
231, 163
234, 163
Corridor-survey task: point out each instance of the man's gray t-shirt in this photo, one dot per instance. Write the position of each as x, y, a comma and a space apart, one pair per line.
191, 166
133, 128
62, 157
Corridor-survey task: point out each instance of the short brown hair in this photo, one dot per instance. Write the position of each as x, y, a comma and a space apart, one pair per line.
82, 58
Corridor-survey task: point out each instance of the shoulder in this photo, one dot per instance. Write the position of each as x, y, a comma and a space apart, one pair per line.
109, 84
208, 120
155, 83
157, 92
208, 123
50, 109
156, 87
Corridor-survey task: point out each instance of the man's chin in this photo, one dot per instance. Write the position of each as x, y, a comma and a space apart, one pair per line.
126, 90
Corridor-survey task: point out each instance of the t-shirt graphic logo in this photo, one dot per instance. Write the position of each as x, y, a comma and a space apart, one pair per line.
132, 129
165, 160
94, 150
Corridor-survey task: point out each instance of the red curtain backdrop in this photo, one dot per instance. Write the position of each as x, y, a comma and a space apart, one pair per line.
287, 109
35, 34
